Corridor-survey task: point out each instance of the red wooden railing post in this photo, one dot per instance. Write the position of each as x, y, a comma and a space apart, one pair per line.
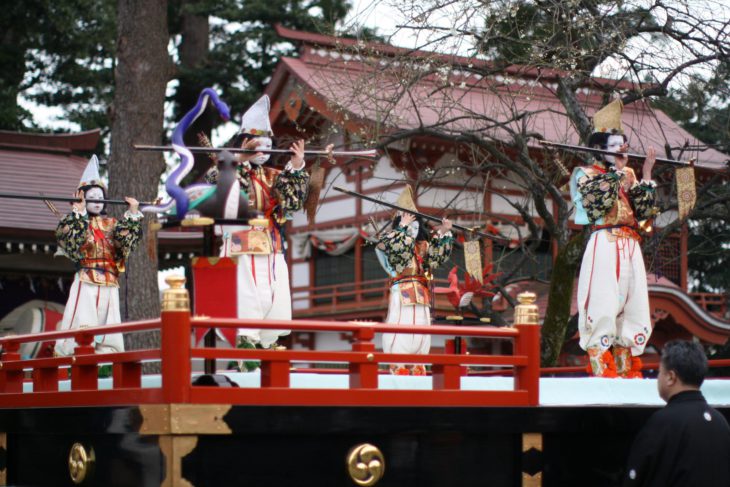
127, 375
45, 379
175, 341
448, 376
275, 373
364, 375
528, 344
84, 377
11, 380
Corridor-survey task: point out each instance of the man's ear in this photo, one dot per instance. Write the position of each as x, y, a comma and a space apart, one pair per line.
672, 377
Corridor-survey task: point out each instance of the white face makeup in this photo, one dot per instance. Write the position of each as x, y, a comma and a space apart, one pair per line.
613, 144
94, 194
264, 143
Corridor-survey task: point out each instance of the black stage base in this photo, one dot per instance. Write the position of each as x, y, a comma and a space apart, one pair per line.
222, 445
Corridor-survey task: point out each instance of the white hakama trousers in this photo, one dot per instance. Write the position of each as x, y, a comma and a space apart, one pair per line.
91, 305
263, 294
410, 315
613, 299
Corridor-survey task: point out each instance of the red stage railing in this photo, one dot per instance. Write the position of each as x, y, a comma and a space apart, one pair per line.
176, 356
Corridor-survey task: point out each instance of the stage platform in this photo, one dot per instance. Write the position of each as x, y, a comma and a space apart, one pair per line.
565, 391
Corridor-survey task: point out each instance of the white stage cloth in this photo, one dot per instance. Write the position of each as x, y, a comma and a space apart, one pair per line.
569, 391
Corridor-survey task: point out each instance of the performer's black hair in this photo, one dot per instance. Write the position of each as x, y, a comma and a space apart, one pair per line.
687, 360
87, 187
600, 139
422, 228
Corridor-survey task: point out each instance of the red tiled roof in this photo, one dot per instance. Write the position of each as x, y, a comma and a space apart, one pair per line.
75, 142
365, 89
38, 163
378, 48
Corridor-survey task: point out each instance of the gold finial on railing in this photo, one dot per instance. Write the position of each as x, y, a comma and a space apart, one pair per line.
176, 298
526, 313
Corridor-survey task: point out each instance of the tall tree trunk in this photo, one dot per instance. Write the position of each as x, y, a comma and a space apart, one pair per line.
141, 78
560, 298
194, 50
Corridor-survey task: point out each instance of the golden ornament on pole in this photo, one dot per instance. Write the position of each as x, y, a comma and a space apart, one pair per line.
686, 190
473, 259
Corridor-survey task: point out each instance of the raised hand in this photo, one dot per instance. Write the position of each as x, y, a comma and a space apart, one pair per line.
133, 204
406, 219
249, 144
297, 160
648, 163
621, 161
79, 206
444, 227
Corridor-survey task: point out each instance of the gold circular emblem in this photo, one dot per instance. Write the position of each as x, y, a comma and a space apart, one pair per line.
80, 462
365, 464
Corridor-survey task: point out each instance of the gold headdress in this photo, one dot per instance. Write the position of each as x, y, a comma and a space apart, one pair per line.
608, 118
405, 200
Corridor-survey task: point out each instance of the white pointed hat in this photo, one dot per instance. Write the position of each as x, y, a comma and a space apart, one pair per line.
91, 177
256, 119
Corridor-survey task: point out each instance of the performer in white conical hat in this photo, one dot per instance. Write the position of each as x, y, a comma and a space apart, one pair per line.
263, 275
408, 253
613, 300
98, 245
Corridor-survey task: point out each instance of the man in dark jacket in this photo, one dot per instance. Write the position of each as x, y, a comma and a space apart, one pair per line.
687, 443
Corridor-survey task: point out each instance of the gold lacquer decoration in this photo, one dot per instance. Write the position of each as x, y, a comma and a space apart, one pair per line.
4, 447
175, 298
80, 463
473, 259
532, 460
686, 190
365, 464
198, 221
526, 313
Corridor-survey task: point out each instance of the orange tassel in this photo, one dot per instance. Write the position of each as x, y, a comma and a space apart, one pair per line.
635, 372
610, 370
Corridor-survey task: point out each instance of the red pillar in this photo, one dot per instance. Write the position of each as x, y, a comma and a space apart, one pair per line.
527, 344
175, 346
364, 375
11, 380
84, 377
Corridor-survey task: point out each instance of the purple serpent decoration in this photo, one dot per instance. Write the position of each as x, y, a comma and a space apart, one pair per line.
179, 195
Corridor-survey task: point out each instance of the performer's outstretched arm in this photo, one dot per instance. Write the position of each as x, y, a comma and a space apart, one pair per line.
128, 230
441, 244
292, 183
71, 233
398, 245
643, 199
643, 194
599, 193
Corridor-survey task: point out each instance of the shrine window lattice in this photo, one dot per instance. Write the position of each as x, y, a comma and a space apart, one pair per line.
666, 261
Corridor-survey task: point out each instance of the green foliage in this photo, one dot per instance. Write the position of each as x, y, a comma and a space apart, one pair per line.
709, 256
244, 48
569, 35
61, 53
57, 53
702, 107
